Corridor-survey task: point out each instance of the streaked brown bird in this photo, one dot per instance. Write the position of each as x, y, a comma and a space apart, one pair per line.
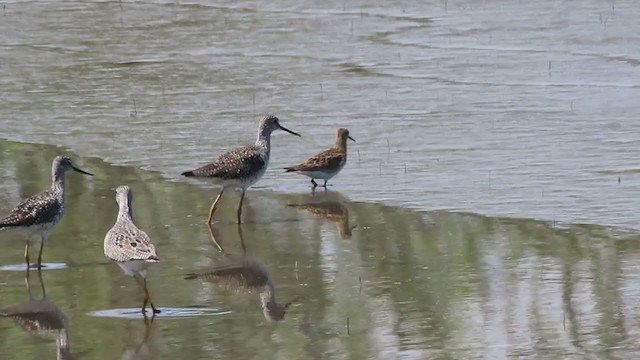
326, 164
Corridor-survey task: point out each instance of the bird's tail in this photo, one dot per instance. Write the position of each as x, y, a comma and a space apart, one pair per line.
290, 169
188, 173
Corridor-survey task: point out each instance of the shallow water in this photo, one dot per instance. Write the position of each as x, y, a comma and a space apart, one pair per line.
514, 109
377, 281
487, 210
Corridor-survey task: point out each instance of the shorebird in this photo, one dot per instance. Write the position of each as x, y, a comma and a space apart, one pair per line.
247, 275
39, 213
42, 318
243, 166
129, 246
326, 164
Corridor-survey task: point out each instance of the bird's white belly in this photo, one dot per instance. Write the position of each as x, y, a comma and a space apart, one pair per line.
241, 183
134, 266
36, 229
39, 229
319, 174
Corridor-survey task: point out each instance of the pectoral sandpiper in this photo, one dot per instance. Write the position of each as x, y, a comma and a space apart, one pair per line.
326, 164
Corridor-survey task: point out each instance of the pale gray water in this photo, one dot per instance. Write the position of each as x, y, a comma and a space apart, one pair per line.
413, 285
510, 108
494, 109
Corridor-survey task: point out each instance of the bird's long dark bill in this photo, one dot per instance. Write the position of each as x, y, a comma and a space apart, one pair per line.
82, 171
350, 138
289, 131
293, 301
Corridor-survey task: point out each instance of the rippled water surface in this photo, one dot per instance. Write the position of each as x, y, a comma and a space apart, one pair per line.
375, 281
508, 108
487, 210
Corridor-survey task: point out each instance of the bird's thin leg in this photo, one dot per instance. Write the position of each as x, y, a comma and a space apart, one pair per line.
240, 206
315, 184
26, 252
143, 284
325, 184
145, 301
214, 205
147, 297
44, 238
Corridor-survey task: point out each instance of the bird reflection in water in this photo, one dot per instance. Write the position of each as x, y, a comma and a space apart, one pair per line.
246, 274
141, 351
329, 205
42, 318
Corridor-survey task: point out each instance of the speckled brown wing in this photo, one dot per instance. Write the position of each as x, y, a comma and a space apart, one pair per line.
125, 242
40, 208
326, 160
236, 164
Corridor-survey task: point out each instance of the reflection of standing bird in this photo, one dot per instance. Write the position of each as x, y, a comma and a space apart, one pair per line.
142, 351
44, 319
38, 214
326, 164
247, 275
129, 246
332, 211
241, 167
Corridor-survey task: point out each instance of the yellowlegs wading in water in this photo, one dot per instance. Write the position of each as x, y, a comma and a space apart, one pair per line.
241, 167
129, 246
326, 164
39, 213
